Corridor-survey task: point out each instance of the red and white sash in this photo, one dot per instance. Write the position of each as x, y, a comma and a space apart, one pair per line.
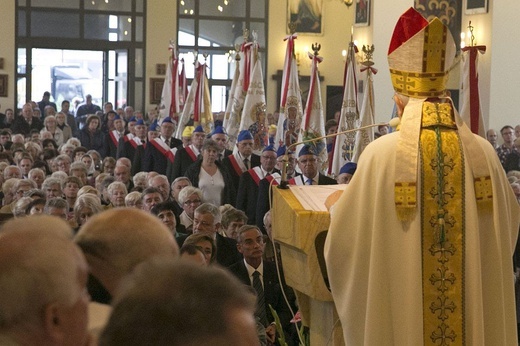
160, 145
257, 174
191, 152
274, 179
237, 163
298, 180
136, 141
128, 137
115, 136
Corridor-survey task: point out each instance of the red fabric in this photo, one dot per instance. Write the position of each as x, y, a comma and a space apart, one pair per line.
474, 100
409, 24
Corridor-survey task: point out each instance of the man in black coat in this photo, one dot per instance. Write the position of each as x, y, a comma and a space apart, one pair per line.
113, 137
243, 159
247, 193
269, 289
207, 219
26, 122
159, 150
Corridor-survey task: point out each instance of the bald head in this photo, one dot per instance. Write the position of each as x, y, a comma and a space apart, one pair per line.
43, 276
117, 240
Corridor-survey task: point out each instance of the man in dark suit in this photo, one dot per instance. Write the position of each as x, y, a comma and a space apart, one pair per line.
247, 193
26, 122
308, 164
262, 276
207, 219
262, 204
161, 149
243, 159
143, 137
187, 155
112, 140
219, 135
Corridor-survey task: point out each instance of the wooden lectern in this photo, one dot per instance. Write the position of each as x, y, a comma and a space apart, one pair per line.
300, 229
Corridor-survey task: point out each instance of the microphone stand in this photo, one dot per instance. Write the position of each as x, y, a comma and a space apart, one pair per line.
284, 183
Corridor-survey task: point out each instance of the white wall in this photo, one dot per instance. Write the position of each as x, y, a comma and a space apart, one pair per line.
504, 99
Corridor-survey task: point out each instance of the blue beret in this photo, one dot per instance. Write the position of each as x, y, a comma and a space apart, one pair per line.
153, 126
199, 129
218, 123
349, 167
244, 135
132, 119
281, 151
117, 117
219, 130
269, 148
307, 150
139, 122
167, 120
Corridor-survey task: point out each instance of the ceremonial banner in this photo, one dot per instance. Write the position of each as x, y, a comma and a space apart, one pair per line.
367, 112
254, 116
233, 123
291, 109
313, 124
197, 110
170, 102
470, 109
232, 91
349, 118
183, 86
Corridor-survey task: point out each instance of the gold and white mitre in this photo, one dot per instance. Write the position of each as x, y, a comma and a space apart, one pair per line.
420, 56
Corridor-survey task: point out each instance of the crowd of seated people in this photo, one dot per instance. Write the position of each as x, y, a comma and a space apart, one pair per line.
115, 176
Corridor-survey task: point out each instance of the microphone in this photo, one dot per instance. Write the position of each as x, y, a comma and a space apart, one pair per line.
284, 183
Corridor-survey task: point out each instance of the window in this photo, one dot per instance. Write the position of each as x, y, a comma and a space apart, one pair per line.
101, 39
215, 28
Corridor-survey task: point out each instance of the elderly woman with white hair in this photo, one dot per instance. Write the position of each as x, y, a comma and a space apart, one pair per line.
190, 198
51, 124
116, 194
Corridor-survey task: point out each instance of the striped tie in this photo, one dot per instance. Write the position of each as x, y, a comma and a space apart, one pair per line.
257, 285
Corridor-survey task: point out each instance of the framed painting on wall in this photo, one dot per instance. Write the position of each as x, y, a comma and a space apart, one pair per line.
362, 13
3, 85
476, 6
307, 15
156, 86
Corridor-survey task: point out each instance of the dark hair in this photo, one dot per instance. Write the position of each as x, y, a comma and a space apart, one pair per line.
160, 207
505, 128
190, 249
46, 142
79, 149
38, 201
150, 190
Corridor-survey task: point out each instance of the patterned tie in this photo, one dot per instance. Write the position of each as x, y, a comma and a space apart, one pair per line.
257, 285
309, 181
246, 163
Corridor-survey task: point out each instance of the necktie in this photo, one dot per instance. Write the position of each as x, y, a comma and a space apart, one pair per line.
246, 163
257, 285
308, 182
167, 141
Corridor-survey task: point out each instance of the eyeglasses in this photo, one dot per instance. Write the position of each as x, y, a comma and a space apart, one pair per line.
195, 201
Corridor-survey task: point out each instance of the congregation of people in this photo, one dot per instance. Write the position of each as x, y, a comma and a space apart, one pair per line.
126, 190
132, 198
